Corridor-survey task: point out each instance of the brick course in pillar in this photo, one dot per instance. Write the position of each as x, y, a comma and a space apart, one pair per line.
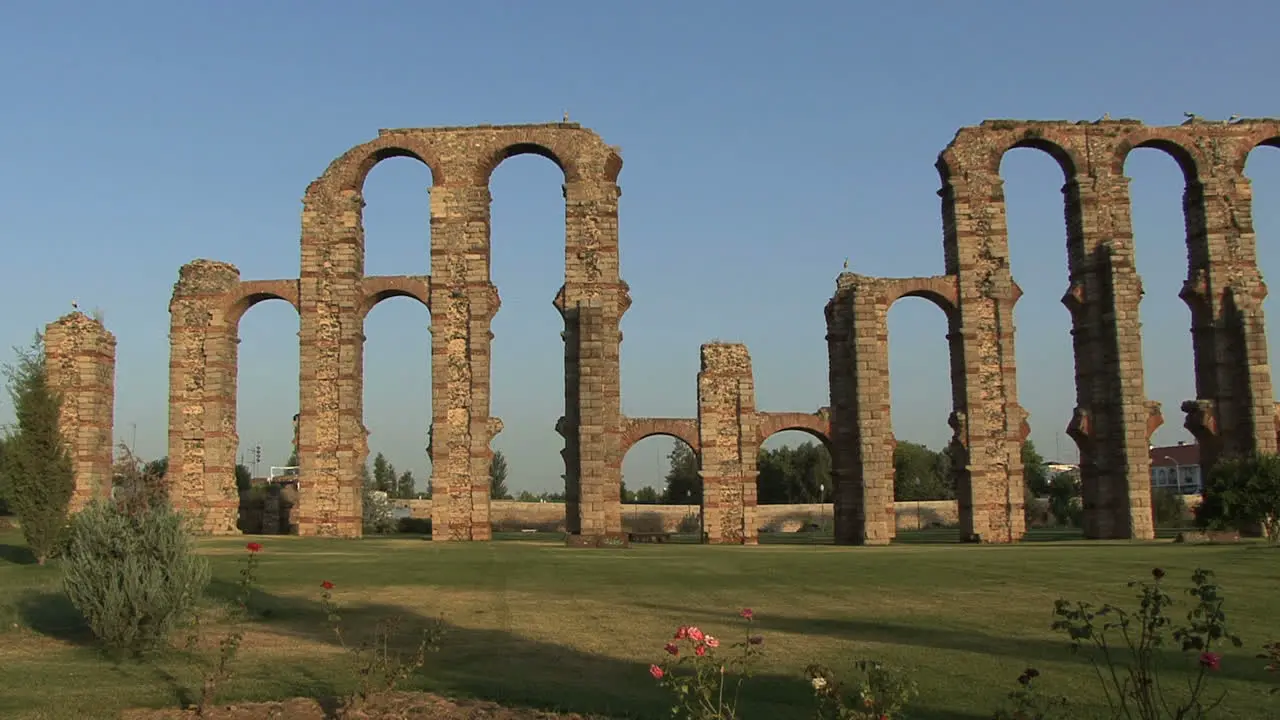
80, 359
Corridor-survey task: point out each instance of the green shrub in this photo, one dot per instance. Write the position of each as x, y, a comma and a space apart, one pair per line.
1167, 508
133, 573
1243, 493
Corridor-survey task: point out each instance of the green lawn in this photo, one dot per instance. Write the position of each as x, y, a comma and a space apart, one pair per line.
535, 623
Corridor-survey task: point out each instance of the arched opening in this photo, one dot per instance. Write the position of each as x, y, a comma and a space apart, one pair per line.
793, 486
1156, 188
661, 487
527, 356
266, 404
1263, 171
397, 218
920, 404
397, 400
1044, 355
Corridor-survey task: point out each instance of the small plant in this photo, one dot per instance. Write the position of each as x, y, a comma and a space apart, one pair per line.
881, 694
131, 569
1135, 689
1272, 655
229, 645
379, 665
700, 679
1027, 703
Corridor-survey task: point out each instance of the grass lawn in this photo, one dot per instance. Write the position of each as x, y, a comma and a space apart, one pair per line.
536, 623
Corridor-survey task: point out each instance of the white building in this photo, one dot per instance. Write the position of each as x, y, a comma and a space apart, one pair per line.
1177, 468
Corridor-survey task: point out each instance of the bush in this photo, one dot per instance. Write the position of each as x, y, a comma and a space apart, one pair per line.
132, 571
414, 526
376, 513
1243, 493
39, 479
1167, 508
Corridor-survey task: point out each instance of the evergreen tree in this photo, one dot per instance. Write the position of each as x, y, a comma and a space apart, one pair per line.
498, 477
684, 484
383, 474
37, 465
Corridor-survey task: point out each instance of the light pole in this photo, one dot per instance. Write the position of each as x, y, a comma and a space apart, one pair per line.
1177, 474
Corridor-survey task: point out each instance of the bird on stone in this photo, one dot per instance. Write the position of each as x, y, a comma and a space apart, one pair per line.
1106, 116
566, 116
1233, 118
75, 305
846, 263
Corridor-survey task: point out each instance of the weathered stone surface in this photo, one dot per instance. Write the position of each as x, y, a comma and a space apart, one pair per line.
80, 359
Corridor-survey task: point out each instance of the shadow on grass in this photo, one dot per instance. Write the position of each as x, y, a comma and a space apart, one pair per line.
51, 614
1028, 650
503, 667
17, 554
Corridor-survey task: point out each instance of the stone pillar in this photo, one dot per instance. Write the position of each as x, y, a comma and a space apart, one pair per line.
1111, 418
202, 397
729, 445
332, 441
990, 422
80, 361
1234, 411
593, 290
861, 427
463, 303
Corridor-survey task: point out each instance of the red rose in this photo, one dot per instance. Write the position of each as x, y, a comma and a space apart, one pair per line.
253, 547
326, 585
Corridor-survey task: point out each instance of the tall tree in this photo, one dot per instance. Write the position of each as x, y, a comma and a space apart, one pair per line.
37, 464
1034, 472
244, 478
498, 477
684, 485
794, 474
920, 473
383, 474
404, 485
4, 482
646, 495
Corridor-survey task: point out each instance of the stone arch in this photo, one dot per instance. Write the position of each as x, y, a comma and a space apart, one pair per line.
636, 429
817, 425
377, 289
348, 171
940, 290
251, 292
1167, 141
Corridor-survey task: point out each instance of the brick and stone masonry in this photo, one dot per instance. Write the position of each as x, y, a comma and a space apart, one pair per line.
80, 359
1234, 411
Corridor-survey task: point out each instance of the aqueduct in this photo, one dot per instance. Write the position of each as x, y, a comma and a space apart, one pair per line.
1234, 410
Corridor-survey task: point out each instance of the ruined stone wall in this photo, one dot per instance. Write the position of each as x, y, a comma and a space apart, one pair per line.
729, 443
80, 359
1113, 420
332, 295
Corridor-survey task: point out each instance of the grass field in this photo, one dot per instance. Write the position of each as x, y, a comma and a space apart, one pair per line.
534, 623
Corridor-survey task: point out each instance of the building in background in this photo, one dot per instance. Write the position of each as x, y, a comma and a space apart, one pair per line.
1177, 468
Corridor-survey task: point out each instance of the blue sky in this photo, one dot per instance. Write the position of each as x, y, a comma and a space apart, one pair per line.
763, 144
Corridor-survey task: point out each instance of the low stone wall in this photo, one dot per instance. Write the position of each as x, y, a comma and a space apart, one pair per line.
509, 515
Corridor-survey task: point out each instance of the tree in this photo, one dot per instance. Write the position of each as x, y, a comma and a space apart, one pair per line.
405, 485
920, 473
498, 477
244, 478
646, 495
4, 490
37, 465
384, 474
1064, 499
158, 467
1034, 472
684, 485
1241, 494
800, 474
